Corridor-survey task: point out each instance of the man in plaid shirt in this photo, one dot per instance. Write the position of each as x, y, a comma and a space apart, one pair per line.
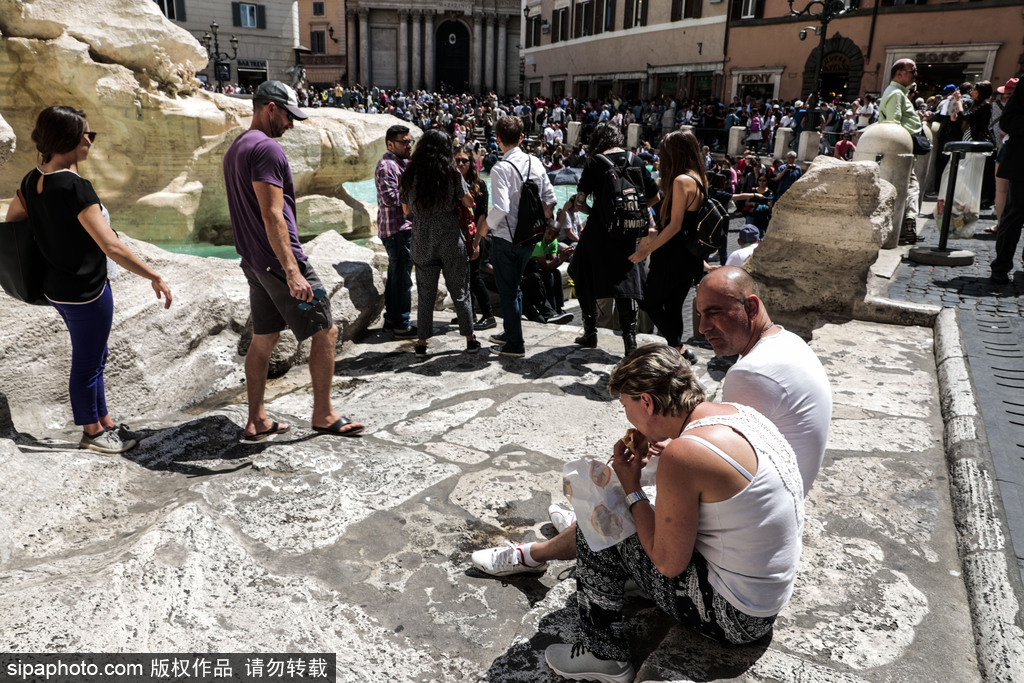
395, 230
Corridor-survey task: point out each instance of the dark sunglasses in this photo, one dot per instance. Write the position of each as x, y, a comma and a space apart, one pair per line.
91, 134
460, 162
318, 294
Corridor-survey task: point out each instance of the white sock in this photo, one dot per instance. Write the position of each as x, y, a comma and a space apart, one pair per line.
528, 560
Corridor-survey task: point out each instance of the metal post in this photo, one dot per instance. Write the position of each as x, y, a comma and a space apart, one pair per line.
947, 211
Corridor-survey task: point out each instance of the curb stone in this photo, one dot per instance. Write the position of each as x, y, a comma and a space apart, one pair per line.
992, 588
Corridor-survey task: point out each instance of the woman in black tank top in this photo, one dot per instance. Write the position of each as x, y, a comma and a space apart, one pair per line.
673, 269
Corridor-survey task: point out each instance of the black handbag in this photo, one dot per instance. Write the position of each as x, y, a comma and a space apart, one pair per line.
21, 263
922, 145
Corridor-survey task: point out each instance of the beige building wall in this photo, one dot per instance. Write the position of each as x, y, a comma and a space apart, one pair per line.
675, 58
464, 45
952, 42
326, 35
262, 52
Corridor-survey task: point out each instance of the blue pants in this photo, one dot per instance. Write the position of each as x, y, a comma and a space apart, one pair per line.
89, 325
398, 288
509, 262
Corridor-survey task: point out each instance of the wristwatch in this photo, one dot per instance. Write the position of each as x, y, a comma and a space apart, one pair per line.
635, 497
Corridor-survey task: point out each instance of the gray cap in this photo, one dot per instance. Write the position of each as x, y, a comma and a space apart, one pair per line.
749, 234
279, 93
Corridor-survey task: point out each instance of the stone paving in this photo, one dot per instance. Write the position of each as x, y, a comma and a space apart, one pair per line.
960, 287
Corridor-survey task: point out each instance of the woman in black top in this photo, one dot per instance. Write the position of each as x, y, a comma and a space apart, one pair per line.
978, 118
600, 265
75, 241
673, 269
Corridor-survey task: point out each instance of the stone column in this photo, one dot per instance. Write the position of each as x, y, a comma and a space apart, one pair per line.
403, 50
429, 52
488, 79
417, 50
365, 71
476, 63
350, 47
502, 53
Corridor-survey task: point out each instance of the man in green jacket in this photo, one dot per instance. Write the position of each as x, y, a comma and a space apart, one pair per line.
896, 107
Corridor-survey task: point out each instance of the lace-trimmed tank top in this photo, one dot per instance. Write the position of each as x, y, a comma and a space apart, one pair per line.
752, 541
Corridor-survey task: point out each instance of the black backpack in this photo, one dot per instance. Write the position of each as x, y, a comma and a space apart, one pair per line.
531, 220
711, 229
625, 186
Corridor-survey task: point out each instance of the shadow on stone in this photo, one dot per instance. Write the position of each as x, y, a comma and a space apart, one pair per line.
210, 439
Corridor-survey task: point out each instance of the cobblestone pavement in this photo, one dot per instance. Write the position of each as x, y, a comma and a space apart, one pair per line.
961, 287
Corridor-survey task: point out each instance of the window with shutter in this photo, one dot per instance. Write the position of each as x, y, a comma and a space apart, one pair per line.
627, 16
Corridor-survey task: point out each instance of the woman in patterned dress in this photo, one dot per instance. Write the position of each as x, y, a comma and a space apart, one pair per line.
430, 188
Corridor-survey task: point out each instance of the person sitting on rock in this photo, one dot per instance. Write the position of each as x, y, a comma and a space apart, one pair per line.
542, 281
748, 239
720, 551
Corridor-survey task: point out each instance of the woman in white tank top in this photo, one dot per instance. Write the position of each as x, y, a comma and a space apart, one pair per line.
720, 551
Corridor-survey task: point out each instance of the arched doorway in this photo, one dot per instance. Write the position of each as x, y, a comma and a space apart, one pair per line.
452, 56
841, 71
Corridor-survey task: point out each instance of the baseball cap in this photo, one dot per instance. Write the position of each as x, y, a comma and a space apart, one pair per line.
749, 234
279, 93
1010, 86
948, 89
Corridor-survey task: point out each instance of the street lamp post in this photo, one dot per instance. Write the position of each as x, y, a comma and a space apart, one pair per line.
824, 11
221, 60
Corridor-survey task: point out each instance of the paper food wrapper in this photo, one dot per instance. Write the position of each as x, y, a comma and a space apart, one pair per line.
600, 501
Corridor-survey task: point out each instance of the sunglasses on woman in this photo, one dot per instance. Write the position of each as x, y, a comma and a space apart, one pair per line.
91, 134
460, 162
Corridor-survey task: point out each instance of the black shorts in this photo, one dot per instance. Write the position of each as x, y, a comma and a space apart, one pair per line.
274, 308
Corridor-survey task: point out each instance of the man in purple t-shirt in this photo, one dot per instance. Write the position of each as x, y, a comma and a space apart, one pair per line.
284, 290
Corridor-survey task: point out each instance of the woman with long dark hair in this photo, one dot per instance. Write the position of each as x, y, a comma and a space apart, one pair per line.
75, 240
430, 187
673, 269
601, 266
466, 162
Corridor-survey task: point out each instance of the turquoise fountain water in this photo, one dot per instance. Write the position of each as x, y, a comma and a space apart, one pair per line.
363, 190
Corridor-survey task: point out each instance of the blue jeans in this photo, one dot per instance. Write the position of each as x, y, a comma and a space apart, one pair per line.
509, 262
398, 288
89, 325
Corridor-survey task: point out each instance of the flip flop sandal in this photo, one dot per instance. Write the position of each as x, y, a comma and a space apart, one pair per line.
275, 428
335, 428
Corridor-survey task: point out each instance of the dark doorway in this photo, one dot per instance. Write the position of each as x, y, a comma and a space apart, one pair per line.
452, 65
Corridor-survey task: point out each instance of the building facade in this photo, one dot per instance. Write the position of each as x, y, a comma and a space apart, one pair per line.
626, 48
952, 41
456, 45
266, 31
323, 29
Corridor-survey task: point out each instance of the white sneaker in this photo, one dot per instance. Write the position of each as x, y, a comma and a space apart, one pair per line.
106, 442
561, 518
505, 561
577, 663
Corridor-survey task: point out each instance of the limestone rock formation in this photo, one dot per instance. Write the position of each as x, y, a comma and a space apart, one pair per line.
166, 360
157, 162
134, 34
8, 141
825, 233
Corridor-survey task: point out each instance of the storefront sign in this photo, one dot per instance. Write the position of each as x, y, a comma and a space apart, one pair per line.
933, 57
755, 79
252, 63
